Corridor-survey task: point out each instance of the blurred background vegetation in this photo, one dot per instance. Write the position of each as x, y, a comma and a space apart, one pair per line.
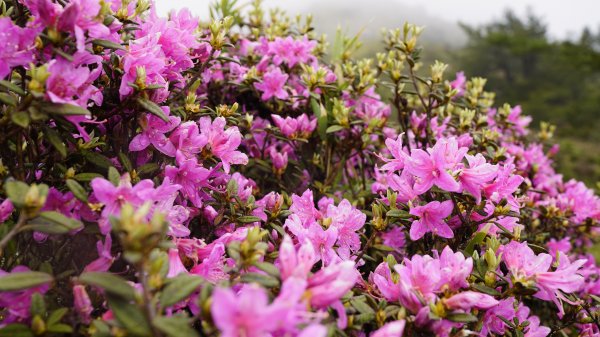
554, 80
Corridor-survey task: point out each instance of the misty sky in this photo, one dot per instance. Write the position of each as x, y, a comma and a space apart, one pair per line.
564, 18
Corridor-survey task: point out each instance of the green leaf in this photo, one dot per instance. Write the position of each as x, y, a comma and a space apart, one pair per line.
334, 128
113, 175
129, 316
108, 44
397, 213
60, 328
54, 138
153, 108
77, 190
8, 99
97, 159
16, 190
12, 87
485, 289
476, 240
24, 280
88, 176
16, 330
56, 316
361, 306
53, 222
248, 219
179, 288
38, 305
321, 113
268, 268
65, 109
21, 118
147, 169
175, 326
462, 318
111, 283
264, 280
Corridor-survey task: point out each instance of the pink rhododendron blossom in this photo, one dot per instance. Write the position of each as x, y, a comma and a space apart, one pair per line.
431, 220
272, 85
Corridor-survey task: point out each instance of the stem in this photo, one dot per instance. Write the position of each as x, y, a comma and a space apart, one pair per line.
149, 310
14, 231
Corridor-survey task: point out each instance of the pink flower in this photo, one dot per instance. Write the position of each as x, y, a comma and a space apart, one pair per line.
144, 56
16, 47
290, 51
82, 303
347, 220
114, 197
459, 83
246, 314
432, 167
6, 209
474, 178
455, 269
294, 263
301, 126
329, 284
104, 260
431, 219
272, 85
16, 304
223, 142
468, 300
420, 275
399, 156
187, 139
176, 267
191, 176
392, 329
154, 131
212, 268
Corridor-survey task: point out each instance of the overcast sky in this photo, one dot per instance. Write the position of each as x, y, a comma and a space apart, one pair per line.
564, 18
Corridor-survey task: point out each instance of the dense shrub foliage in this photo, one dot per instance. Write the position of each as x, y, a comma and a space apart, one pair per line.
173, 177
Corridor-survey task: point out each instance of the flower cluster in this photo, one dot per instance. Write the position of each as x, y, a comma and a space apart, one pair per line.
170, 176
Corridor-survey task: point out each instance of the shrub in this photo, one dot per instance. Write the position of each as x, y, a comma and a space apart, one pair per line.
236, 183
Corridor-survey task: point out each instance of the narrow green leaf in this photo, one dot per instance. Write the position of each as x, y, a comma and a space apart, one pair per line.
24, 280
77, 190
334, 129
38, 305
476, 240
111, 283
108, 44
16, 330
60, 328
8, 99
264, 280
268, 268
12, 87
53, 222
153, 108
56, 316
16, 190
485, 289
113, 175
462, 318
97, 159
88, 176
175, 326
397, 213
129, 316
248, 219
54, 138
179, 288
21, 118
65, 109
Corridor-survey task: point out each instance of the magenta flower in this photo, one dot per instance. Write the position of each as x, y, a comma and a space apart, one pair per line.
459, 83
212, 268
191, 176
431, 219
145, 56
82, 303
17, 46
272, 85
468, 300
16, 303
223, 142
392, 329
294, 263
399, 156
105, 258
114, 197
420, 274
187, 139
246, 314
329, 284
455, 269
154, 131
347, 220
474, 178
301, 126
529, 269
435, 166
6, 209
176, 267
